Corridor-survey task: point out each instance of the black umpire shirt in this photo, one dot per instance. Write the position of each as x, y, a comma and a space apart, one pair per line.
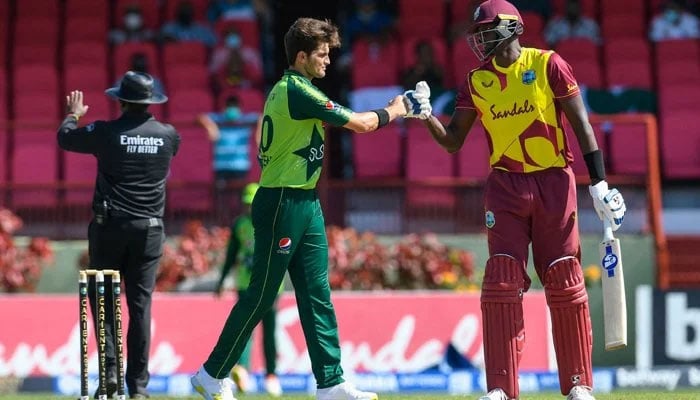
133, 160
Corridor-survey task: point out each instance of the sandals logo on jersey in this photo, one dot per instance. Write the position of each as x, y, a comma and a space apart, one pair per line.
284, 245
490, 219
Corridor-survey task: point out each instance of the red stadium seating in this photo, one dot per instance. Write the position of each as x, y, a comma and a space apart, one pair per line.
186, 105
682, 72
409, 8
248, 29
3, 160
149, 9
34, 161
631, 49
588, 7
93, 53
378, 154
633, 74
185, 53
420, 26
534, 23
85, 78
33, 54
192, 164
621, 26
124, 52
101, 106
622, 7
79, 172
680, 142
97, 10
668, 51
41, 31
583, 56
185, 77
678, 96
628, 149
3, 101
251, 100
473, 157
36, 79
30, 9
374, 65
461, 10
85, 29
255, 170
36, 108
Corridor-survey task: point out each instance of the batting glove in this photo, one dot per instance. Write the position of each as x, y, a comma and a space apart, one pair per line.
418, 101
608, 203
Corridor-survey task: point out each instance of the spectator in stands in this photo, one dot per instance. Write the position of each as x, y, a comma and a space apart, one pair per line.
674, 22
234, 64
185, 28
425, 69
132, 28
541, 7
571, 25
236, 9
139, 63
368, 22
229, 130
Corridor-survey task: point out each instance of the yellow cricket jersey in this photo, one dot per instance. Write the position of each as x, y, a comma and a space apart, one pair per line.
518, 110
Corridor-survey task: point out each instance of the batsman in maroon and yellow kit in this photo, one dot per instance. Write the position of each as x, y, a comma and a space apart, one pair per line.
520, 95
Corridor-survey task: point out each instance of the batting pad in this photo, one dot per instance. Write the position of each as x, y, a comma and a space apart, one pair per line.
571, 323
503, 326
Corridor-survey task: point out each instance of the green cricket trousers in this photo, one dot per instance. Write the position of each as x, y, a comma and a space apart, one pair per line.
290, 235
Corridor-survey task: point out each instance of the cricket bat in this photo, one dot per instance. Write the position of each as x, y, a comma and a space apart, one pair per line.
614, 302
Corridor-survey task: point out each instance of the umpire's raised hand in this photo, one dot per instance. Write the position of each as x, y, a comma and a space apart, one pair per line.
74, 104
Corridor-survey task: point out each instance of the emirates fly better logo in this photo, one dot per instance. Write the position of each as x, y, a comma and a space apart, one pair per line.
284, 245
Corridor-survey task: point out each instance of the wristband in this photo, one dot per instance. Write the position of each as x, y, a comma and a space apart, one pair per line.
595, 165
77, 118
383, 116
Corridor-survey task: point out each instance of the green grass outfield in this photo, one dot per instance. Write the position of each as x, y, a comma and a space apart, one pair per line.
628, 395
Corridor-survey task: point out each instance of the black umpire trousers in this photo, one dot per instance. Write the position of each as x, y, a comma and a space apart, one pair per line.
134, 247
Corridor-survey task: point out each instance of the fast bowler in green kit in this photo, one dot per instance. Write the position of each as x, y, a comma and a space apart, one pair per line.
290, 233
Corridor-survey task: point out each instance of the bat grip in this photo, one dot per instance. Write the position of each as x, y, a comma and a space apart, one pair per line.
607, 231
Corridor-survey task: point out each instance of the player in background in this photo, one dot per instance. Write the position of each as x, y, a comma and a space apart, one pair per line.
290, 232
239, 254
519, 95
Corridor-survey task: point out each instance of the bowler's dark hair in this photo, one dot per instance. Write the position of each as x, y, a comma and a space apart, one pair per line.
307, 34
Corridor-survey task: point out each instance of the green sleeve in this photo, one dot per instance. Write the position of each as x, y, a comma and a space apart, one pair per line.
306, 101
234, 245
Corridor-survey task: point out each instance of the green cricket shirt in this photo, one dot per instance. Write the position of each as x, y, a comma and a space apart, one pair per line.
292, 141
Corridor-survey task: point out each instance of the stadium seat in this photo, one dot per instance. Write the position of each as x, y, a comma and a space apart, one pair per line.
30, 9
3, 160
33, 54
34, 161
255, 170
678, 96
463, 61
578, 49
200, 9
191, 165
84, 29
124, 52
461, 10
374, 65
101, 106
632, 74
419, 26
85, 78
41, 31
409, 8
680, 141
149, 8
36, 78
623, 25
378, 154
251, 100
185, 53
534, 22
185, 77
622, 7
93, 53
3, 101
473, 157
588, 73
187, 104
680, 72
627, 153
669, 51
36, 108
79, 172
97, 10
248, 29
630, 49
589, 8
408, 52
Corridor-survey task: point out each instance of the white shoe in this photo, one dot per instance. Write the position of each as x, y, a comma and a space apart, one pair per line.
240, 377
273, 386
344, 391
495, 394
211, 388
580, 393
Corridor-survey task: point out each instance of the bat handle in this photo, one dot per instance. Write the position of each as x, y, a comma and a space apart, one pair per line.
607, 231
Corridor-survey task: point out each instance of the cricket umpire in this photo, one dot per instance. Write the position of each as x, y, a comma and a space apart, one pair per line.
126, 233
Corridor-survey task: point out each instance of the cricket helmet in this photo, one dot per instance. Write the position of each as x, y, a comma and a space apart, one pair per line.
504, 20
137, 87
